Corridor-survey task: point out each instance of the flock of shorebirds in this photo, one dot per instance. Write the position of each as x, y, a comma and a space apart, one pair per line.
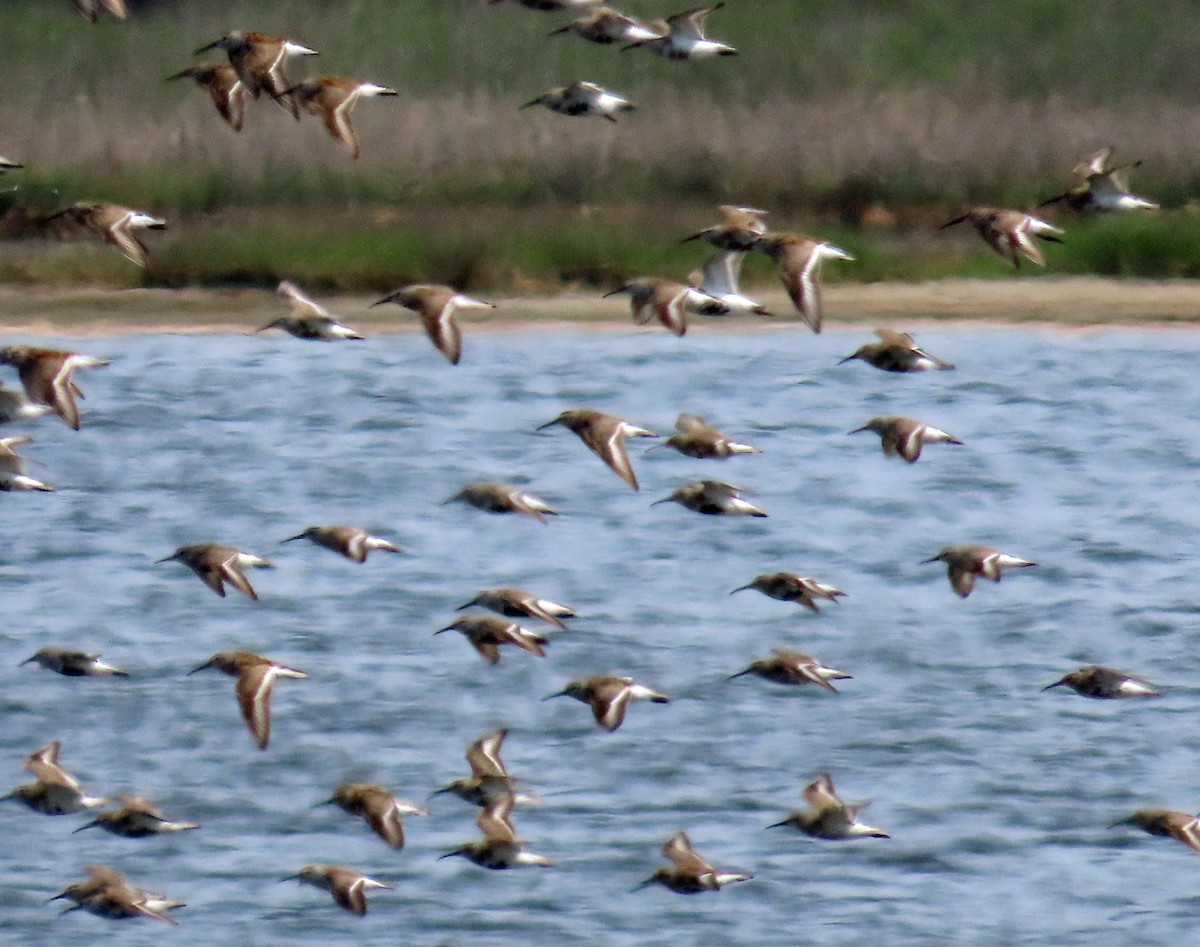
254, 68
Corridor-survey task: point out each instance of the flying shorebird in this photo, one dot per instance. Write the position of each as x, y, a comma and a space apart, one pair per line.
224, 87
258, 60
309, 319
333, 98
56, 792
896, 352
489, 779
73, 663
1105, 187
689, 873
116, 224
828, 817
719, 279
500, 847
582, 99
669, 302
487, 633
793, 667
964, 563
1103, 683
517, 603
12, 467
697, 438
436, 306
377, 807
107, 894
216, 564
349, 541
605, 26
90, 9
799, 260
6, 165
904, 437
605, 437
1010, 232
740, 228
1166, 823
609, 697
681, 36
712, 498
137, 818
47, 376
502, 498
14, 406
349, 888
790, 587
256, 678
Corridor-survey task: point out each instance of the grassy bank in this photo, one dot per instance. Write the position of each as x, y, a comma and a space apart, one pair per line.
499, 248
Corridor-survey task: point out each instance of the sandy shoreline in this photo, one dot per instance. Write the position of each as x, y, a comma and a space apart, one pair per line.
1073, 302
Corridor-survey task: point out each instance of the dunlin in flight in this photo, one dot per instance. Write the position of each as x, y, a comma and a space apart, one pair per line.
793, 667
500, 847
740, 228
107, 894
896, 352
790, 587
517, 603
609, 697
349, 541
799, 260
719, 279
256, 677
827, 816
73, 663
697, 438
1105, 187
309, 319
904, 437
487, 633
436, 305
56, 791
90, 9
137, 818
1104, 683
216, 564
605, 437
1166, 823
115, 224
502, 498
12, 467
681, 36
332, 98
48, 377
258, 60
713, 498
224, 87
582, 98
1010, 232
965, 563
489, 779
381, 810
689, 873
7, 165
14, 406
605, 25
669, 302
349, 888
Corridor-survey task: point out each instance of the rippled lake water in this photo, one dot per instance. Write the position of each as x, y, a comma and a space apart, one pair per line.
1081, 452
